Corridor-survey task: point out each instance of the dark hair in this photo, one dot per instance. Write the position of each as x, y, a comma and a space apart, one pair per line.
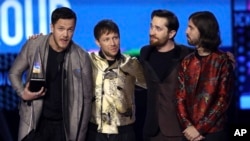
105, 26
62, 13
173, 23
208, 27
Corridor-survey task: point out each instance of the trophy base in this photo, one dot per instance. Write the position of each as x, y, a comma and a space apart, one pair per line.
36, 84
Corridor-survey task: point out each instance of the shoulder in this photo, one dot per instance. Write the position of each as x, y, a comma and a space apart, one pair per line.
221, 55
145, 48
223, 58
41, 39
31, 45
189, 58
185, 48
77, 51
94, 55
145, 51
78, 48
38, 41
127, 59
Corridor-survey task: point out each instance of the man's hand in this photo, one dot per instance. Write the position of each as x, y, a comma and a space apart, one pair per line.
199, 138
192, 134
32, 37
28, 95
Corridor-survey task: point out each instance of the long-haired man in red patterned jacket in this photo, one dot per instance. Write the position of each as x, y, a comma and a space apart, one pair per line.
205, 82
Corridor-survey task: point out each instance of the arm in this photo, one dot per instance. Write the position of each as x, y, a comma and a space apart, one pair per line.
232, 58
222, 101
133, 67
138, 70
17, 70
190, 132
19, 67
181, 97
87, 81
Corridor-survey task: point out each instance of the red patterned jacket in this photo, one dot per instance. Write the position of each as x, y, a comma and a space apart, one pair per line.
204, 91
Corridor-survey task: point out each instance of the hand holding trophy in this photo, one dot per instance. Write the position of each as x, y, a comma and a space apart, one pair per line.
35, 88
37, 79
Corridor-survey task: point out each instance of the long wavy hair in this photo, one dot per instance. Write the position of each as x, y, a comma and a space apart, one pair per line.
208, 27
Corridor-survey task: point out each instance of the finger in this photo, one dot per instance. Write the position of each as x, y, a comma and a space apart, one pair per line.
41, 90
37, 94
43, 93
187, 136
27, 85
198, 138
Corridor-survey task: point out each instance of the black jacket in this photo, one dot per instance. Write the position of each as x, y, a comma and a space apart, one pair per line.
161, 101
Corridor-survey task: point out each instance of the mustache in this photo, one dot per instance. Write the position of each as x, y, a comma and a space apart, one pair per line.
152, 36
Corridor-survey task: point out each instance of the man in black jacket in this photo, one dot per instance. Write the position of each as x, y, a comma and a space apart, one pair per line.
161, 60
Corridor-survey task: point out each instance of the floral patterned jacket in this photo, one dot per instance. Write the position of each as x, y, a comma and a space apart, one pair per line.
114, 86
204, 92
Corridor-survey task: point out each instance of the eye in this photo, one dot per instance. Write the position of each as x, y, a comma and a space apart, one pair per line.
158, 28
116, 38
61, 28
71, 30
106, 39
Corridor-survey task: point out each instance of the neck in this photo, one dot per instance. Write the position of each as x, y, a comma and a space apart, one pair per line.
109, 58
203, 51
167, 47
54, 45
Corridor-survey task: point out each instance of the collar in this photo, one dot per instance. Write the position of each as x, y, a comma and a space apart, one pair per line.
117, 58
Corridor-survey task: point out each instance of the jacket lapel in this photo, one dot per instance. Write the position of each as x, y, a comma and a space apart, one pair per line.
174, 61
147, 67
150, 71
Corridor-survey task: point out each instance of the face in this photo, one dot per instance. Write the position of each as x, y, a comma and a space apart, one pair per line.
159, 33
62, 33
193, 34
109, 44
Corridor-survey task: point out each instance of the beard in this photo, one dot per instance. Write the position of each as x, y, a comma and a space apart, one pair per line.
192, 42
157, 42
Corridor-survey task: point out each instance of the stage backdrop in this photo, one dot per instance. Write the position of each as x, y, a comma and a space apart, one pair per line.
21, 18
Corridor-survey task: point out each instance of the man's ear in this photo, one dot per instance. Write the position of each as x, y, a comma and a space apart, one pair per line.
172, 33
97, 43
51, 28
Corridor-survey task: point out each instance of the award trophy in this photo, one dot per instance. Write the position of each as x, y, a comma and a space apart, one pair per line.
37, 79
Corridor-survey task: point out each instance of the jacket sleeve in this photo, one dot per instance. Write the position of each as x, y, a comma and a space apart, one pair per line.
133, 67
87, 79
181, 96
20, 65
140, 79
222, 100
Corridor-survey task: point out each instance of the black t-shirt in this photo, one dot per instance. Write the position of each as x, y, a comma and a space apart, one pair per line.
52, 107
161, 62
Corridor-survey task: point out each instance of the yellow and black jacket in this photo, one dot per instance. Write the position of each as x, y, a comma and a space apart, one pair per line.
114, 86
